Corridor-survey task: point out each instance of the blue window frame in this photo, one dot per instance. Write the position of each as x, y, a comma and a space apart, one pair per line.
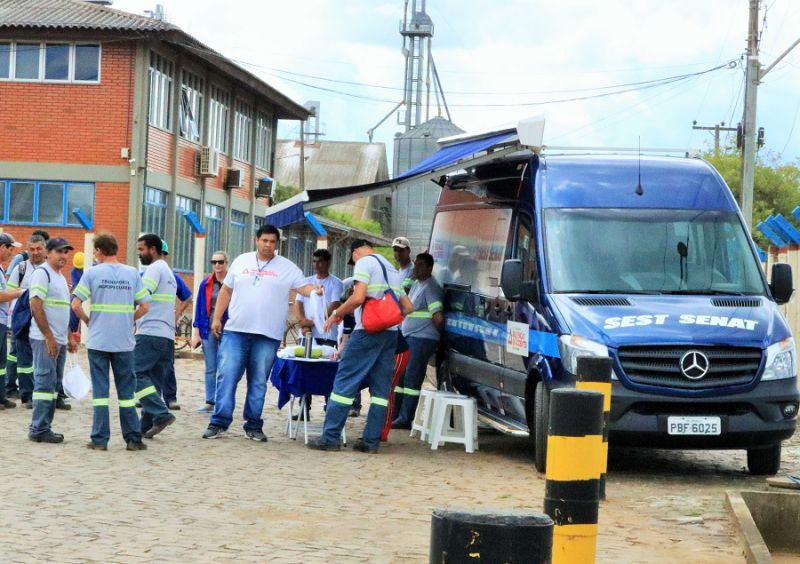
44, 202
237, 239
183, 246
154, 211
214, 218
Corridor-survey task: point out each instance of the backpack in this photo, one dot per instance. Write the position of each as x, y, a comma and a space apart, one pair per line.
22, 316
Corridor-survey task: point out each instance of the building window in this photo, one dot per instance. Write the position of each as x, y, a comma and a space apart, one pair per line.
45, 203
50, 62
191, 106
214, 217
154, 211
218, 119
183, 246
243, 130
264, 141
237, 236
161, 73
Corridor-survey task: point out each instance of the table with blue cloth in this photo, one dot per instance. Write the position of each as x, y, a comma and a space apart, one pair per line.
298, 377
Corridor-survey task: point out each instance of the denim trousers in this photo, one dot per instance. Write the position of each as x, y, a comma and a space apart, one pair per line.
151, 359
240, 353
369, 359
211, 357
3, 361
47, 371
406, 393
125, 381
20, 371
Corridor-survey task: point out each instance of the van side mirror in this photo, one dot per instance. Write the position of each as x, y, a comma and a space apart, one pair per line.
514, 288
511, 279
781, 285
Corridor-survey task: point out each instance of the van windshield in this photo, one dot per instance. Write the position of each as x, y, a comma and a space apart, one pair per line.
649, 251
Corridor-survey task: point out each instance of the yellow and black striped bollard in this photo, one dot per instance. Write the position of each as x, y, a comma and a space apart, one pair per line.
574, 450
594, 373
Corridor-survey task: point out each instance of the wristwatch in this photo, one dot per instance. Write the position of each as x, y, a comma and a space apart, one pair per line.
335, 313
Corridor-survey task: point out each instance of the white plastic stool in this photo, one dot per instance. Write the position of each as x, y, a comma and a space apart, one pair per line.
422, 417
465, 421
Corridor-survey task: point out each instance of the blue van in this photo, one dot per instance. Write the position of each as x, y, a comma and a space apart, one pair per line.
646, 260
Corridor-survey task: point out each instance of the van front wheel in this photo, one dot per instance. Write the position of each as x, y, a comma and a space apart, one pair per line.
764, 461
541, 413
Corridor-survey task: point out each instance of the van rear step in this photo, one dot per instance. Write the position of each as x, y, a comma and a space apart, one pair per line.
501, 425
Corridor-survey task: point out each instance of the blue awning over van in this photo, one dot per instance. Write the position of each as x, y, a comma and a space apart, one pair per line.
445, 159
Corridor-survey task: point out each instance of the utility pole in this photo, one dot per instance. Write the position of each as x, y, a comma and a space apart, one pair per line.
716, 129
752, 78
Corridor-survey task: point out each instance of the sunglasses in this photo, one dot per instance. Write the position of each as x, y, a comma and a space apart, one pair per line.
218, 262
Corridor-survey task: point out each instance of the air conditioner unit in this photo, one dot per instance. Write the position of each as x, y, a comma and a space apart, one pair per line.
208, 164
264, 187
235, 178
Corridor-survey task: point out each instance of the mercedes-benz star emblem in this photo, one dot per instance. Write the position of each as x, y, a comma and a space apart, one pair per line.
694, 365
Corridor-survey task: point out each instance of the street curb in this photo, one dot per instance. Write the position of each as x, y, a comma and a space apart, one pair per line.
755, 549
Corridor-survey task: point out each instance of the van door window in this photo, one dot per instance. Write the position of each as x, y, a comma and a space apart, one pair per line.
468, 247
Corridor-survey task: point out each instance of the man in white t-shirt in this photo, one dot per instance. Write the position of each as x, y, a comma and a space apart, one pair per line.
255, 294
332, 296
368, 358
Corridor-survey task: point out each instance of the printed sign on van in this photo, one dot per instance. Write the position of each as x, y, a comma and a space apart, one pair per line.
517, 335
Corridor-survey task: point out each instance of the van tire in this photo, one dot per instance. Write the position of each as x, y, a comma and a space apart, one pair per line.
541, 414
765, 461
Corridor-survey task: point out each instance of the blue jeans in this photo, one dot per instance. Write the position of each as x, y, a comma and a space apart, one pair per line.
367, 359
151, 359
240, 352
122, 365
406, 393
47, 371
211, 356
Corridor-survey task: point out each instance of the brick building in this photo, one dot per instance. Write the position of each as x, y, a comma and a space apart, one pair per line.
109, 112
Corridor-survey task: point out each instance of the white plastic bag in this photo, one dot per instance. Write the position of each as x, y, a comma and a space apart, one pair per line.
316, 309
76, 384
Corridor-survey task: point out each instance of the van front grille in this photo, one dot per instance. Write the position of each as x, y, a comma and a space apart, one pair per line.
661, 366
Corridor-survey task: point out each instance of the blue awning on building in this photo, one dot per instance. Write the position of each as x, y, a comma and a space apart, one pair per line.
446, 158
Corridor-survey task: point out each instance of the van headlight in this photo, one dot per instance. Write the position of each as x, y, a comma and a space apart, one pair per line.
780, 361
572, 346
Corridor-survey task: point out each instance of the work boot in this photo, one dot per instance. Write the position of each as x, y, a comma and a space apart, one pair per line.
158, 427
61, 403
397, 424
174, 405
256, 435
28, 404
48, 437
96, 446
361, 446
319, 444
135, 445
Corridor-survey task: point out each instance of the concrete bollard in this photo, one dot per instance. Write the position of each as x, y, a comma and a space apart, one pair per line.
594, 373
508, 536
571, 498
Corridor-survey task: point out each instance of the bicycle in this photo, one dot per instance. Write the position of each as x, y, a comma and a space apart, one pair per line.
183, 332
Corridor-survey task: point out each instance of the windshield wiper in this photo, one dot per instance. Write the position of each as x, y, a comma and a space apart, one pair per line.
620, 292
708, 292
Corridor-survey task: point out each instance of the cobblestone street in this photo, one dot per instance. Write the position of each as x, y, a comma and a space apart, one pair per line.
187, 499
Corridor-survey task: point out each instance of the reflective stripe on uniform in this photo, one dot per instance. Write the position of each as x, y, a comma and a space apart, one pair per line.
420, 315
37, 288
127, 403
341, 399
382, 287
150, 283
111, 308
379, 401
82, 291
398, 389
434, 305
145, 392
163, 297
52, 302
11, 358
141, 294
12, 286
100, 402
44, 396
361, 277
2, 371
24, 369
406, 391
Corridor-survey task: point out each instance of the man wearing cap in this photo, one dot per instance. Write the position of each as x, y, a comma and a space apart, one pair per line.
169, 391
49, 337
402, 254
155, 336
118, 299
368, 356
20, 355
7, 246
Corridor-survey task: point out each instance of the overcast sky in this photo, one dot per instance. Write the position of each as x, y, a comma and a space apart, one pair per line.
516, 54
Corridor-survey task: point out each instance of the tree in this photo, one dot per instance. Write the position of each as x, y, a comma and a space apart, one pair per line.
777, 185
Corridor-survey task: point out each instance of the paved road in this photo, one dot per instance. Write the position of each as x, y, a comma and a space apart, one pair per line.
186, 499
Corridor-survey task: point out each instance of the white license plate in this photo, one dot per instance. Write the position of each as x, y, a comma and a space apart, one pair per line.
694, 426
